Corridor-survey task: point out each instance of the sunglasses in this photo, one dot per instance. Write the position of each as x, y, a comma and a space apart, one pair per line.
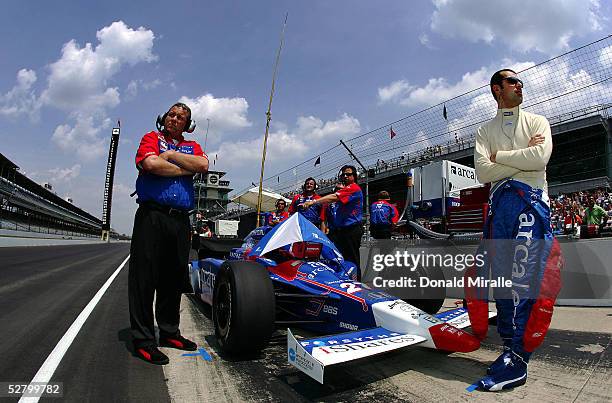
512, 80
348, 174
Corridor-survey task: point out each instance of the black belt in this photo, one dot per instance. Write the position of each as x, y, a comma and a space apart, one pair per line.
165, 209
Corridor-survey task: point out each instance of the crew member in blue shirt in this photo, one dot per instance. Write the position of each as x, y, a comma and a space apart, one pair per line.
382, 216
166, 164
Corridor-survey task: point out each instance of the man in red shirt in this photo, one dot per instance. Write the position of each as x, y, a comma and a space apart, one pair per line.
160, 244
346, 228
315, 214
280, 214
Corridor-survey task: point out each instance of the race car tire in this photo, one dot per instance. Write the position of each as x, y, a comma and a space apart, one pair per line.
243, 307
430, 299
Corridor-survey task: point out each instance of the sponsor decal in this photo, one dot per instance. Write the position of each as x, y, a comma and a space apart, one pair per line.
207, 278
348, 326
348, 340
332, 310
291, 355
163, 146
235, 255
463, 172
185, 149
415, 313
343, 348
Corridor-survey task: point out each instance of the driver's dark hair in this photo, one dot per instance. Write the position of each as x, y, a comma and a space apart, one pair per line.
182, 106
310, 178
497, 78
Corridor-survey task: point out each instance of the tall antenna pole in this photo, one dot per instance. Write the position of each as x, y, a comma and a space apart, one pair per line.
268, 118
206, 138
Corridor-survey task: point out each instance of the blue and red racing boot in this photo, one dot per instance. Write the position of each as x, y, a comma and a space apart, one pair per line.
513, 374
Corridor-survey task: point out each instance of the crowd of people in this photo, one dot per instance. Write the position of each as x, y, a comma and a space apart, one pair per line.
571, 211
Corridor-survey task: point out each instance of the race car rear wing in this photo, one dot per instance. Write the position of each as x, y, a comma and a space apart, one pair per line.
311, 356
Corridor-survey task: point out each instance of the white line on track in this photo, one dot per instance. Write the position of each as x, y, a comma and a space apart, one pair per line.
45, 372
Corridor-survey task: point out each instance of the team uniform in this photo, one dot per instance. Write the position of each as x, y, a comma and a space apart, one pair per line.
518, 240
160, 243
345, 223
276, 217
382, 217
315, 213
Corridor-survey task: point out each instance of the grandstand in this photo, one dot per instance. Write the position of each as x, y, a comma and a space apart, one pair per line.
572, 90
26, 206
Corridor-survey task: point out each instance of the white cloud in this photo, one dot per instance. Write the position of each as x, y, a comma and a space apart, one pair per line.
395, 91
425, 41
65, 174
439, 89
133, 86
286, 146
523, 25
21, 100
81, 139
79, 80
132, 89
605, 56
224, 113
79, 83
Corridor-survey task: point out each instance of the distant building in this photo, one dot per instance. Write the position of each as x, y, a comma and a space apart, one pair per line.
211, 193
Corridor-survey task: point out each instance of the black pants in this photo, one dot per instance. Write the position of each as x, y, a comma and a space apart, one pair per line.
380, 231
158, 265
348, 240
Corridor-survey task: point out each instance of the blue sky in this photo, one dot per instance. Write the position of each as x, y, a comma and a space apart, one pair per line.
70, 69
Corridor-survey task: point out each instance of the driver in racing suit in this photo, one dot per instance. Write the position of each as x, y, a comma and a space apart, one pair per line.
511, 152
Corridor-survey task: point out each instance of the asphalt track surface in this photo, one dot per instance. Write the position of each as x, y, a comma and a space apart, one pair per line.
43, 289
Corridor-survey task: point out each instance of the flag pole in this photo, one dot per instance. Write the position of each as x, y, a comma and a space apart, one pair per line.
268, 118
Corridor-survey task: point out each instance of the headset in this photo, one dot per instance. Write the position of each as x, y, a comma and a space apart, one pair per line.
190, 124
316, 186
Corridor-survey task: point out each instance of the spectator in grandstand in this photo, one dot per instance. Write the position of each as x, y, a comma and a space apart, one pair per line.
280, 214
166, 163
315, 214
571, 220
205, 231
346, 230
382, 216
594, 214
511, 152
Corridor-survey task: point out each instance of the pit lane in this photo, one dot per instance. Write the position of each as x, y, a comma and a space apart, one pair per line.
43, 289
571, 365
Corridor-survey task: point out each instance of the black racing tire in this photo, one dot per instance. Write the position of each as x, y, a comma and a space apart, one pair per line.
243, 307
430, 299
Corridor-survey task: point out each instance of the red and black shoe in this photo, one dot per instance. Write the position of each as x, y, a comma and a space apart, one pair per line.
178, 342
152, 354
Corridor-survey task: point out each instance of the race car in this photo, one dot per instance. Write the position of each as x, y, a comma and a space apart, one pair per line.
291, 276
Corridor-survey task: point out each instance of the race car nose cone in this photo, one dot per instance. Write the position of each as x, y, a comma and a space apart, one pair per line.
449, 338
